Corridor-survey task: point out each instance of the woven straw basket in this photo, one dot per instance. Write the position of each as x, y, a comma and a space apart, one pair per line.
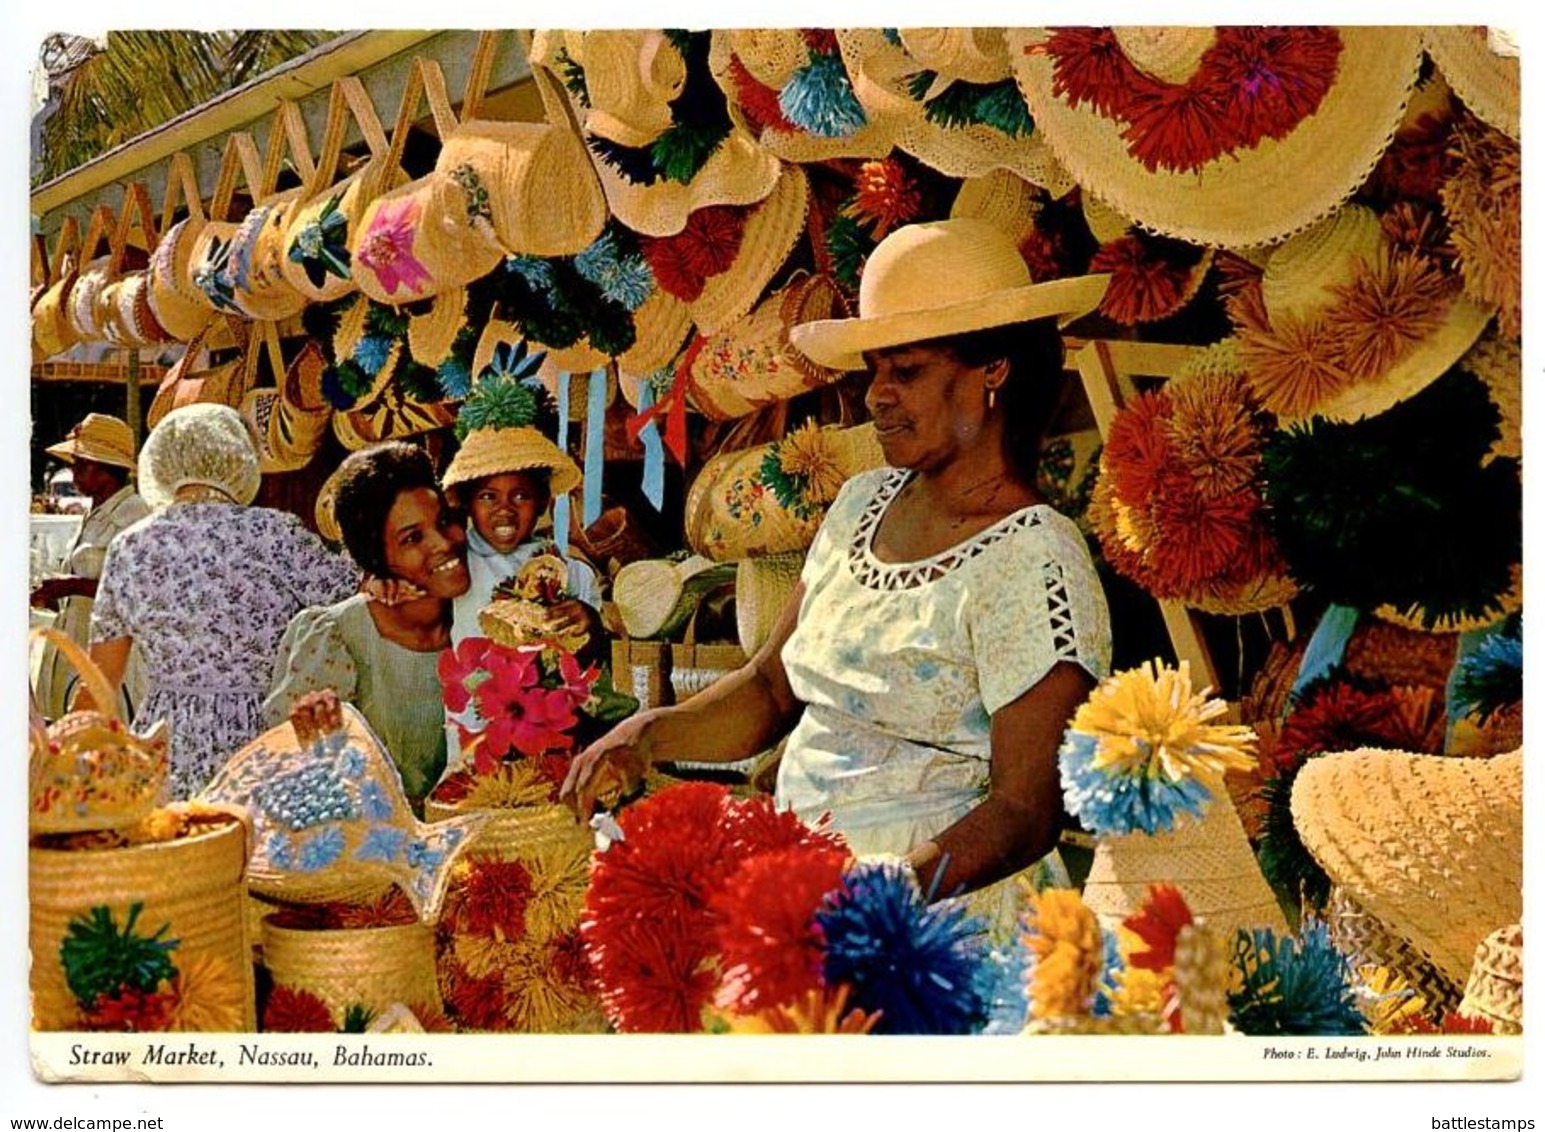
1208, 859
369, 967
194, 885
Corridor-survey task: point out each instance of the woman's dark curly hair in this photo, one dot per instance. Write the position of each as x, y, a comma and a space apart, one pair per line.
369, 482
1032, 392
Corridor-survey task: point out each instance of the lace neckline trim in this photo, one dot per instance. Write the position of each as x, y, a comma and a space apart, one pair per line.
871, 572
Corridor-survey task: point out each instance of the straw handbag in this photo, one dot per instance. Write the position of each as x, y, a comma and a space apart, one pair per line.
212, 263
179, 306
431, 234
695, 666
223, 384
734, 512
749, 363
316, 244
257, 255
544, 198
289, 421
84, 311
137, 915
354, 968
539, 986
51, 330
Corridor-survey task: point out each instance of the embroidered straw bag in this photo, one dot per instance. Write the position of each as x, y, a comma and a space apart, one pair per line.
316, 244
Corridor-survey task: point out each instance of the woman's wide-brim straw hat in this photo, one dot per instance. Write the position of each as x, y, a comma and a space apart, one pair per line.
1252, 194
769, 57
631, 77
882, 72
495, 451
933, 280
1298, 283
202, 444
1207, 858
1481, 66
1431, 846
99, 437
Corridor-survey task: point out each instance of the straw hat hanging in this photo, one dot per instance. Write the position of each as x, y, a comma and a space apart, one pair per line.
1495, 990
1175, 132
1481, 65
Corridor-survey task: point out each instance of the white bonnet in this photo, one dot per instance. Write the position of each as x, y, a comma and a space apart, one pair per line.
199, 444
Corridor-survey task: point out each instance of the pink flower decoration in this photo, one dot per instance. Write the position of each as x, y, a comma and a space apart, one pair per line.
522, 715
457, 667
387, 247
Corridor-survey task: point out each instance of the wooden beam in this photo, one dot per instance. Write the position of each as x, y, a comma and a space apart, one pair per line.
110, 373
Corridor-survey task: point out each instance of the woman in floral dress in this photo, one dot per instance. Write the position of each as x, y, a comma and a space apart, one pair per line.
948, 622
205, 586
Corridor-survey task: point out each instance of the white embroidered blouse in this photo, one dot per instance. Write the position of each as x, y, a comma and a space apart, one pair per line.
901, 665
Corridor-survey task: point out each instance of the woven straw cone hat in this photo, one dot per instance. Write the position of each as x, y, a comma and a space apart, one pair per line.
1298, 279
1495, 990
771, 56
738, 173
631, 76
773, 227
1003, 199
762, 589
440, 231
749, 364
99, 437
1208, 859
494, 451
1485, 78
353, 193
879, 71
1431, 846
179, 306
731, 515
1255, 196
946, 277
542, 187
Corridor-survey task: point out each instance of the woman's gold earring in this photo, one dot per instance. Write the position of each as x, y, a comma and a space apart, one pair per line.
992, 398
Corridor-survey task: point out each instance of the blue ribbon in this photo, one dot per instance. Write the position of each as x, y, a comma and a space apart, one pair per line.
595, 446
654, 450
561, 506
1327, 645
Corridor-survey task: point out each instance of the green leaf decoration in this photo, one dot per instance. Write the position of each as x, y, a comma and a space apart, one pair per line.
357, 1019
99, 959
682, 150
789, 489
849, 246
573, 76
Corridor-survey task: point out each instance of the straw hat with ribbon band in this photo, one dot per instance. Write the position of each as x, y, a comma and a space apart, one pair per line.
89, 771
1494, 991
1151, 277
331, 822
771, 499
1227, 136
431, 234
900, 299
542, 192
1308, 346
288, 421
84, 311
223, 384
261, 290
179, 306
1430, 846
946, 96
98, 437
1142, 765
749, 364
795, 100
632, 95
1481, 65
212, 264
51, 330
316, 243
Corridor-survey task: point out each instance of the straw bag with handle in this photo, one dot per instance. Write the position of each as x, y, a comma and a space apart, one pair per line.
316, 260
179, 306
83, 312
223, 384
51, 330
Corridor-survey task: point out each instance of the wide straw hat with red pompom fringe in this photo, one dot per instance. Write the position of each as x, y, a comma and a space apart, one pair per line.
1229, 136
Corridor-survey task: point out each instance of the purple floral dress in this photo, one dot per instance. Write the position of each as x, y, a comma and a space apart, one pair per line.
206, 590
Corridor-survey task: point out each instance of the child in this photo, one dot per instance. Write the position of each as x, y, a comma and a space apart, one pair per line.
504, 479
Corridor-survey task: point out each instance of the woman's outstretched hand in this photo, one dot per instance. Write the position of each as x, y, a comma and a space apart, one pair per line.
608, 768
316, 714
